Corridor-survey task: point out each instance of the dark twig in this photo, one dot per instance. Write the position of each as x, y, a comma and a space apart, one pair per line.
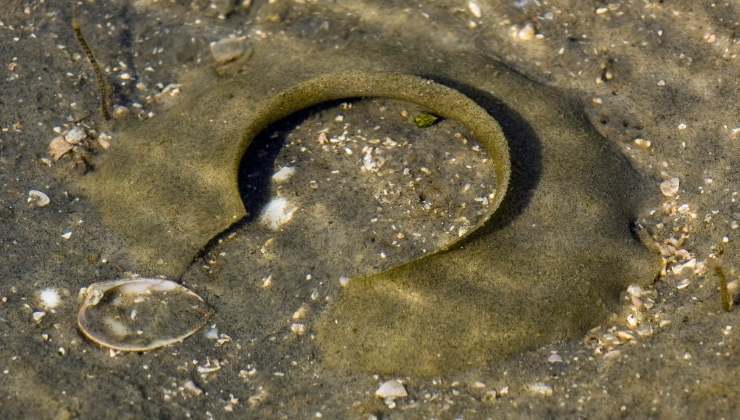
102, 85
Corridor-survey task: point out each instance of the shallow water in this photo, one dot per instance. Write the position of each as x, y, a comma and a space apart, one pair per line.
673, 76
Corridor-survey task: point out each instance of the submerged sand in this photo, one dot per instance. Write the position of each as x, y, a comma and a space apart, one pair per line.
661, 73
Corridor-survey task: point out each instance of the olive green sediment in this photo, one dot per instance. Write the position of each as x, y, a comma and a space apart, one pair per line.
549, 264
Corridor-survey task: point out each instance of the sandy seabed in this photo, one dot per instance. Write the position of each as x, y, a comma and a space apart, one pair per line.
658, 79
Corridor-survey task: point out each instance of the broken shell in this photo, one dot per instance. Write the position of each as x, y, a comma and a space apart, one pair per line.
38, 199
165, 313
59, 147
391, 389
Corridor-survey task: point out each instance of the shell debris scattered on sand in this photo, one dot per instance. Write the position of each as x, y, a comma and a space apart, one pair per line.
139, 314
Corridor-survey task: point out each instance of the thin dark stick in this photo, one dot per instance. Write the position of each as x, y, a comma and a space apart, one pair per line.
102, 86
723, 292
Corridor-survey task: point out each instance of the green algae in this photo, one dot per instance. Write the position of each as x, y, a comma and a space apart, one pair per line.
425, 119
549, 265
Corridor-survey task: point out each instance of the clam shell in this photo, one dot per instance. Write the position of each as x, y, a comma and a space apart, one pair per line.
140, 314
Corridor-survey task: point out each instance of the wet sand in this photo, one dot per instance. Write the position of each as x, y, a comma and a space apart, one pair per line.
664, 73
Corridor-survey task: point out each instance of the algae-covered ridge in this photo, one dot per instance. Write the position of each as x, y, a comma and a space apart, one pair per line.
549, 265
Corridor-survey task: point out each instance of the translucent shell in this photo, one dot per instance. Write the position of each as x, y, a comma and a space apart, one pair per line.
140, 314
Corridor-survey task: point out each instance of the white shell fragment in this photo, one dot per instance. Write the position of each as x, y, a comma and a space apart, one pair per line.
139, 314
38, 199
277, 212
391, 389
669, 187
283, 174
474, 9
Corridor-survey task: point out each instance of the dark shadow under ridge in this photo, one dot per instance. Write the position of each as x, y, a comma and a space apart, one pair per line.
257, 165
525, 151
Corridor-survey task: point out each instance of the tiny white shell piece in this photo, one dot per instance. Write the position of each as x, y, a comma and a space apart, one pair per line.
277, 212
283, 174
165, 313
